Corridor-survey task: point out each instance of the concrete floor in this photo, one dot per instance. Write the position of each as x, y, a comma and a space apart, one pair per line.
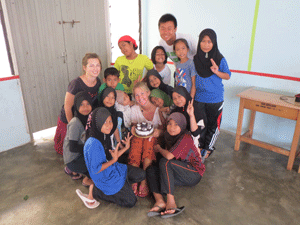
251, 186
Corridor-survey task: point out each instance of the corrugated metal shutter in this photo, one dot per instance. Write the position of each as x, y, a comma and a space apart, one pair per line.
49, 51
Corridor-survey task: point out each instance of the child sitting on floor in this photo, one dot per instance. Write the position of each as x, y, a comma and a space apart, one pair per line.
73, 143
112, 180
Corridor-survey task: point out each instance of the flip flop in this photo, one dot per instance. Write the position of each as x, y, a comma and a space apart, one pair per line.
177, 211
155, 213
85, 200
144, 192
205, 153
70, 173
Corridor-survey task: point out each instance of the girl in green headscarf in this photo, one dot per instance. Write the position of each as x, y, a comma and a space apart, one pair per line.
163, 101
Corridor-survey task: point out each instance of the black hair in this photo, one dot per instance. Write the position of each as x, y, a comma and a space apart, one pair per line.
167, 17
111, 71
135, 48
154, 52
181, 40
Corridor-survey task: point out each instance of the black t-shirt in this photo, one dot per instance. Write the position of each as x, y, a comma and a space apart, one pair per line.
76, 86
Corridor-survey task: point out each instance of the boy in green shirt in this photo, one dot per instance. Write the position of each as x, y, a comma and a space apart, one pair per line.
111, 79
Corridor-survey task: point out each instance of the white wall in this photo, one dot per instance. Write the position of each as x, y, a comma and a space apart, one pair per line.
13, 130
276, 50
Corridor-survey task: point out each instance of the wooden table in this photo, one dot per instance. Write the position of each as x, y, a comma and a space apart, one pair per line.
268, 103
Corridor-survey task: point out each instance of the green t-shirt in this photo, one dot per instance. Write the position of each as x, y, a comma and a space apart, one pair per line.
103, 86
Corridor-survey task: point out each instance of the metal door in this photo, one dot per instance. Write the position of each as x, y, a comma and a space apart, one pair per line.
48, 47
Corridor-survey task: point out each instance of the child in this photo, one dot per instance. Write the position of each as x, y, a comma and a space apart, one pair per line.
154, 81
180, 165
167, 26
163, 101
111, 79
142, 148
185, 70
123, 105
194, 115
211, 67
89, 82
112, 179
73, 143
107, 100
131, 65
159, 59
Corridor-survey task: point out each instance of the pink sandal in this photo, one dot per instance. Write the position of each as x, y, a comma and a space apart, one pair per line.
144, 192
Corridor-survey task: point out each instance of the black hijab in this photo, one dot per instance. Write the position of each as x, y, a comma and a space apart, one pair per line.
94, 124
78, 99
199, 114
203, 64
111, 109
180, 119
164, 87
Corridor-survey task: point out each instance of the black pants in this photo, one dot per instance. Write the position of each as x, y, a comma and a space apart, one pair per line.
213, 114
78, 166
171, 173
125, 197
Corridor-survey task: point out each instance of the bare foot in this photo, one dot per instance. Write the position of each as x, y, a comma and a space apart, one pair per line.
87, 181
170, 209
158, 206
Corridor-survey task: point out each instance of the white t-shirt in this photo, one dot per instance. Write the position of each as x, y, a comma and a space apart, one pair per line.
138, 117
169, 48
165, 74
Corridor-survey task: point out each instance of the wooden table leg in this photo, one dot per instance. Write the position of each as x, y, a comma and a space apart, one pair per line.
239, 125
251, 125
294, 144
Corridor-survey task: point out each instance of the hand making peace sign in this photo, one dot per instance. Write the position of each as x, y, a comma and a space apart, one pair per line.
214, 68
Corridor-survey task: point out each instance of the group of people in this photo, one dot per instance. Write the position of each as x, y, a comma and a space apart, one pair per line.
96, 128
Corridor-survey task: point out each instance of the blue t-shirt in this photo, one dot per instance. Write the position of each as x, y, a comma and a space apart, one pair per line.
184, 73
111, 180
211, 89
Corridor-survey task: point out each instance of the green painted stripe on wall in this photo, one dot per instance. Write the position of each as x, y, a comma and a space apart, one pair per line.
253, 35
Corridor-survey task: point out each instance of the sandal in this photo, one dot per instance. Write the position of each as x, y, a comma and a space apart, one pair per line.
144, 192
205, 154
76, 176
176, 212
84, 198
156, 213
135, 188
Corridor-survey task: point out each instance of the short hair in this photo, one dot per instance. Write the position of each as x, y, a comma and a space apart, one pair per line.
111, 71
181, 40
154, 52
142, 85
90, 56
167, 17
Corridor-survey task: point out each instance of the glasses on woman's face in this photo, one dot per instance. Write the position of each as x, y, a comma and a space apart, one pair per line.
159, 54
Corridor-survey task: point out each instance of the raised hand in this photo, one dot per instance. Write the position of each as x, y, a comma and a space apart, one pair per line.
126, 142
190, 108
214, 68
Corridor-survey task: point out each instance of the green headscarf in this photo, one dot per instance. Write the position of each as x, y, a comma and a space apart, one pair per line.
160, 94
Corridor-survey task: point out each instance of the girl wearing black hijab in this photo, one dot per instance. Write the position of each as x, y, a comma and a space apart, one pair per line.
112, 180
107, 100
193, 113
73, 143
154, 80
211, 67
180, 165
